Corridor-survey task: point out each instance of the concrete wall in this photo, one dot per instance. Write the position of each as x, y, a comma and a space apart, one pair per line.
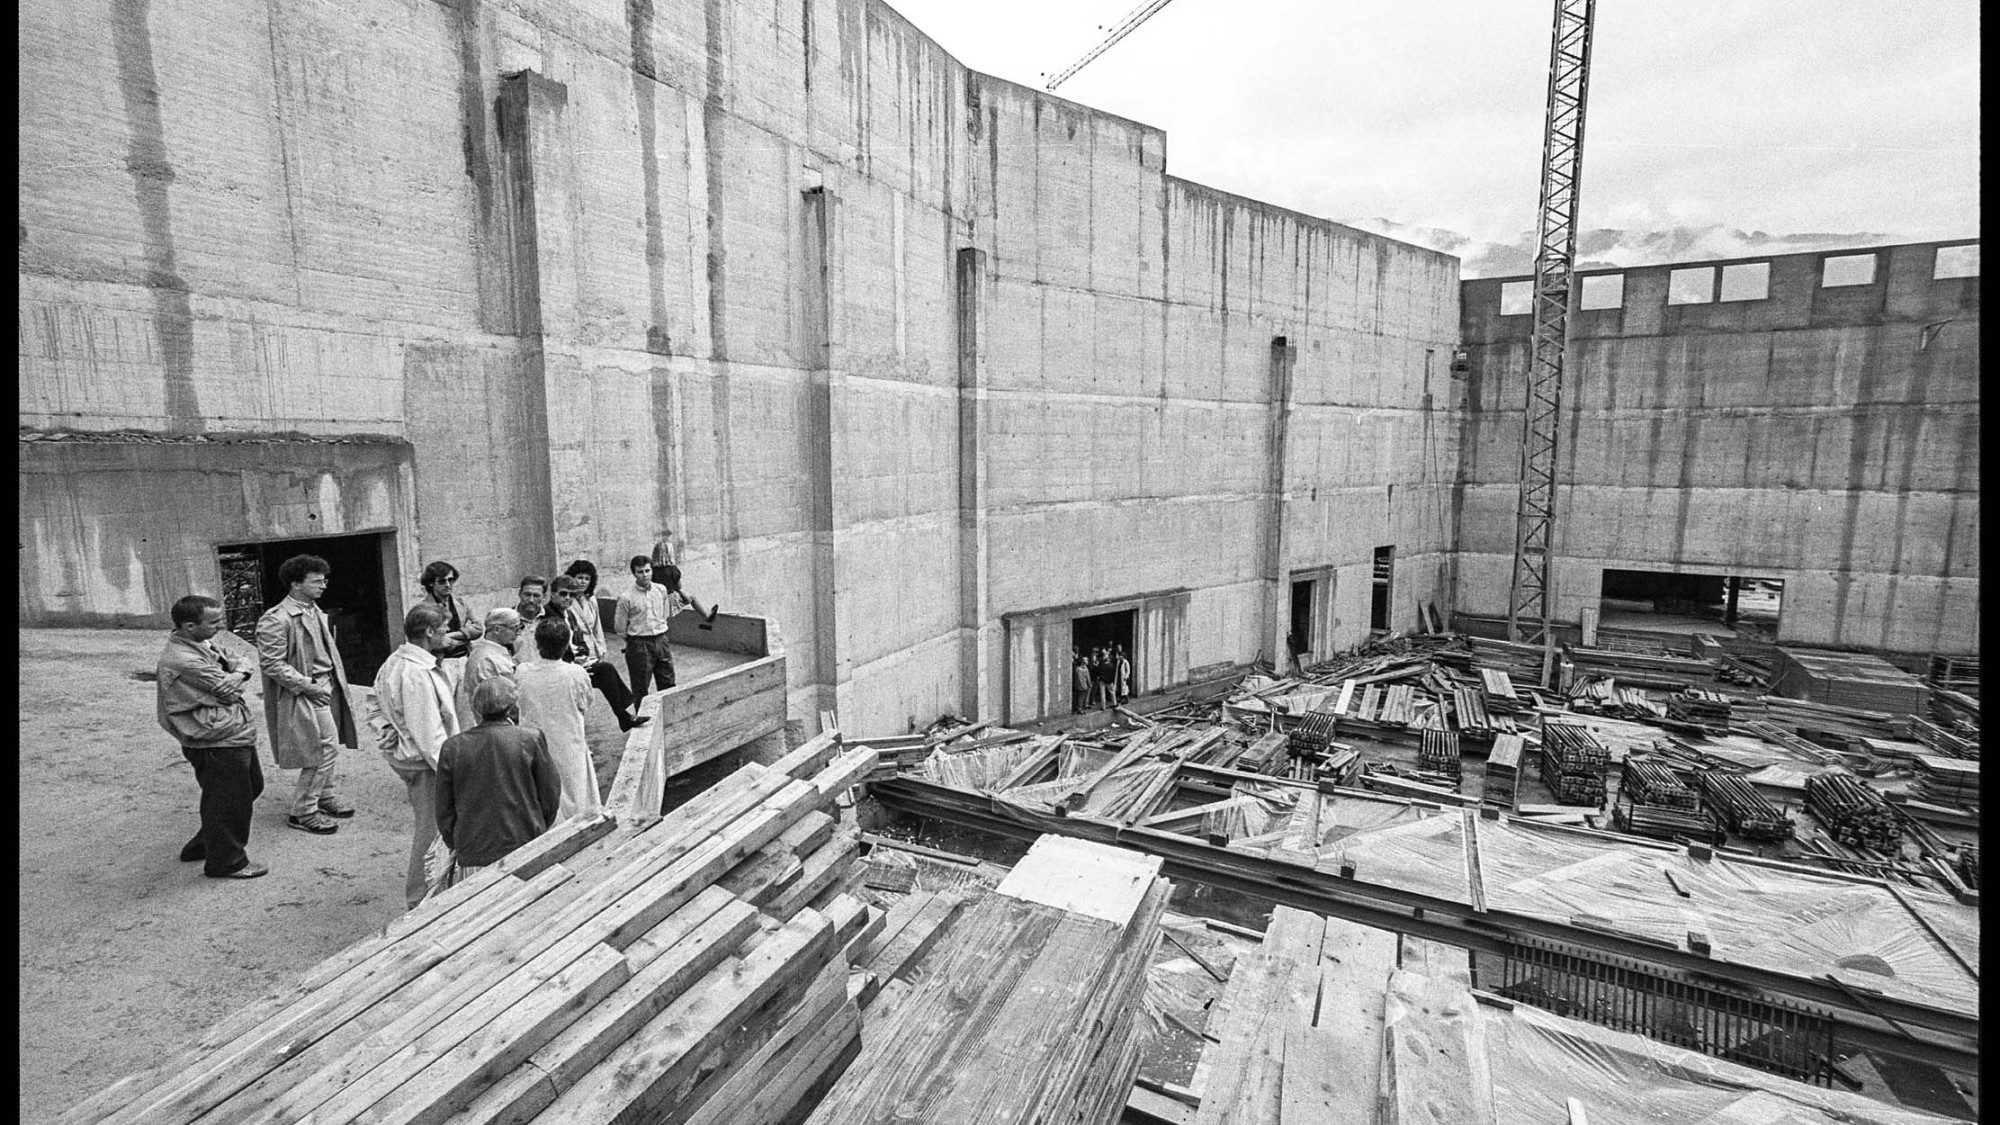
1826, 436
895, 349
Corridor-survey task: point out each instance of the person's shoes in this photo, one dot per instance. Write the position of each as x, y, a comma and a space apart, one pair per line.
247, 871
641, 720
316, 823
192, 851
336, 807
624, 723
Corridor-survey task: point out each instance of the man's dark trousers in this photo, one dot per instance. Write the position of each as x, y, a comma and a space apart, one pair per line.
230, 778
648, 658
605, 679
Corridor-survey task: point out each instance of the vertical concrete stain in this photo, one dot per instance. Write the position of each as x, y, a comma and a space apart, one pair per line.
713, 118
151, 168
639, 21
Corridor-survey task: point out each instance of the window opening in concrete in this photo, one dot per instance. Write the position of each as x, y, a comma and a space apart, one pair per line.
1378, 603
1301, 636
1725, 605
1847, 269
1746, 281
1108, 630
1695, 286
356, 601
1602, 291
1956, 261
1516, 297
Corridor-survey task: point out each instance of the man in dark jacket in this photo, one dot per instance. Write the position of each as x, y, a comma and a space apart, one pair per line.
199, 690
497, 787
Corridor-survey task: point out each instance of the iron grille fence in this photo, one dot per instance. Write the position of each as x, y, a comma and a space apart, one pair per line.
1627, 996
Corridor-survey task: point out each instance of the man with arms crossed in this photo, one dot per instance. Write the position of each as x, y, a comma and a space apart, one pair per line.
305, 694
496, 785
200, 697
414, 716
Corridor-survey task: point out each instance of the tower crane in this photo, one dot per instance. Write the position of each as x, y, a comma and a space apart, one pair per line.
1555, 261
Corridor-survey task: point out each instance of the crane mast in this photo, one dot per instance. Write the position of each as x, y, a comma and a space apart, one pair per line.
1555, 255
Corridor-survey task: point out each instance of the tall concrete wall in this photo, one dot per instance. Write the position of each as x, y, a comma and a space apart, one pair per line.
897, 350
1824, 435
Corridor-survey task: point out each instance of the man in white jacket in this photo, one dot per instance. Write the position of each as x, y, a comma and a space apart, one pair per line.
413, 716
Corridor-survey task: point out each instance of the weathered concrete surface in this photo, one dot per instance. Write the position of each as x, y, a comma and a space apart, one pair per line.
1828, 437
896, 349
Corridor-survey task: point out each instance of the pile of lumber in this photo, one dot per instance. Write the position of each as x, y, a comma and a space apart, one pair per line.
1951, 743
1967, 867
1663, 822
1700, 708
1642, 670
688, 966
1826, 718
1742, 809
1860, 681
1312, 736
1951, 781
1439, 755
1304, 1032
1650, 782
1026, 1007
1852, 813
1503, 771
1574, 763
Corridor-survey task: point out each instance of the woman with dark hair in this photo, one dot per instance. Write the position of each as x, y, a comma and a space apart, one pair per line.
440, 581
578, 606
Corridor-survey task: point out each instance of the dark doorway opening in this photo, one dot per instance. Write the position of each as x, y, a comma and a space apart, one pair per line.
356, 601
1301, 634
1108, 630
1378, 601
1655, 601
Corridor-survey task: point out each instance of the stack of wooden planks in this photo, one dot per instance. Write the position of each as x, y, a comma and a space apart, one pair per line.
1944, 741
1860, 681
1951, 781
1503, 771
1025, 1008
686, 966
1304, 1033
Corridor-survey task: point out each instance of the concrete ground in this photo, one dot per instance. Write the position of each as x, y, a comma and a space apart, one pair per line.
125, 952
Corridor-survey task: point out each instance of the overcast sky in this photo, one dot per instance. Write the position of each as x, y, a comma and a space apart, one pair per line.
1787, 116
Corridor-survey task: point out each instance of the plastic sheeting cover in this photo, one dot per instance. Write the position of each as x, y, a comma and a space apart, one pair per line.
1537, 1060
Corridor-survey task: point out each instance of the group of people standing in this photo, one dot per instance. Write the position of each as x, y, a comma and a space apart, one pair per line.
482, 717
1100, 678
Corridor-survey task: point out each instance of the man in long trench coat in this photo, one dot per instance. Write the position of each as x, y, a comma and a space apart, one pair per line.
305, 695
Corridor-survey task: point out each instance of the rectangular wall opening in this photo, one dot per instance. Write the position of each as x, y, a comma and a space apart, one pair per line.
1378, 604
357, 601
1113, 631
1300, 638
1720, 604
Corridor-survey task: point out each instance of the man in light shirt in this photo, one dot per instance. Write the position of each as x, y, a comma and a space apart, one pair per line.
413, 716
642, 616
490, 654
305, 695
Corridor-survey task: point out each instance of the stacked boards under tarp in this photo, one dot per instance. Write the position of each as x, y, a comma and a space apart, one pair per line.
1018, 1003
1330, 1022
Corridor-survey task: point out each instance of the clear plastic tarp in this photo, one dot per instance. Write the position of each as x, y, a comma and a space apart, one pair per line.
1538, 1061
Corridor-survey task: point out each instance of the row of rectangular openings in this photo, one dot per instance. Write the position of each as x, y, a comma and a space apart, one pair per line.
1743, 281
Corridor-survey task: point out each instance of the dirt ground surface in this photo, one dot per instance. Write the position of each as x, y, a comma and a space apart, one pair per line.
127, 953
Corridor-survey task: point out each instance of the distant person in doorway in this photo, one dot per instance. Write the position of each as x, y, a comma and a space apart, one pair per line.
413, 717
1124, 672
1102, 673
200, 695
440, 582
554, 693
490, 655
532, 601
586, 647
1079, 675
497, 787
305, 695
